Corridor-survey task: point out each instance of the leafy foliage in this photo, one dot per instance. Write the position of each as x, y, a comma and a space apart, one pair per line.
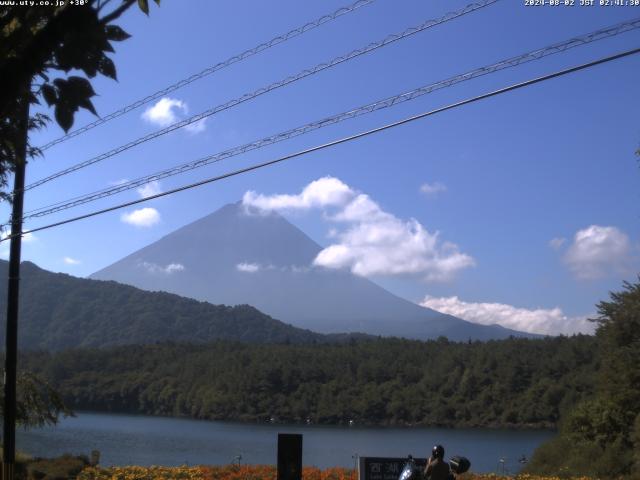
39, 43
619, 339
600, 436
63, 467
516, 382
37, 404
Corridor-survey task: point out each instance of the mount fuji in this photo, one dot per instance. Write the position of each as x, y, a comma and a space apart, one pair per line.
233, 256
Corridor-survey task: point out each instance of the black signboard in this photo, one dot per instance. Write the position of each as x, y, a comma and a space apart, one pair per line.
289, 456
383, 468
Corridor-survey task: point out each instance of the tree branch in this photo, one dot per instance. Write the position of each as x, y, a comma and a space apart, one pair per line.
102, 4
126, 4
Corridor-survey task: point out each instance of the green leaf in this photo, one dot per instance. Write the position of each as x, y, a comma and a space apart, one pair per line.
115, 33
87, 105
72, 94
107, 67
33, 99
80, 85
49, 94
64, 116
108, 48
89, 63
144, 6
38, 121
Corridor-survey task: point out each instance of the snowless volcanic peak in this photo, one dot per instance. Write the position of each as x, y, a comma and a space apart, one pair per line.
238, 256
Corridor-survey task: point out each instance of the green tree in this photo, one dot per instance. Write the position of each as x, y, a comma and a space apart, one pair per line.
39, 46
601, 436
619, 337
38, 403
380, 382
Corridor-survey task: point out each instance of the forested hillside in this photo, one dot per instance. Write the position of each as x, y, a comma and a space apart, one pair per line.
58, 311
516, 382
600, 437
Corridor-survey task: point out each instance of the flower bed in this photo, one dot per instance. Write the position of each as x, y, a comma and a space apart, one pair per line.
230, 472
249, 472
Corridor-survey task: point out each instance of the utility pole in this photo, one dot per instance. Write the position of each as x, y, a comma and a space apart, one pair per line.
11, 349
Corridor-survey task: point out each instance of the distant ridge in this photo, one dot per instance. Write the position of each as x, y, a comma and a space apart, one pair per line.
235, 257
58, 311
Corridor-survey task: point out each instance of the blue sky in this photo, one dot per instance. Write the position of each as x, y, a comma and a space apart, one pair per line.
536, 191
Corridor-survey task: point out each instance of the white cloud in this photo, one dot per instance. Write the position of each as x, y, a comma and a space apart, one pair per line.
248, 267
29, 238
116, 183
4, 246
598, 251
26, 238
149, 189
370, 241
386, 245
144, 217
197, 127
361, 209
174, 267
168, 111
296, 269
543, 321
71, 261
433, 189
324, 192
156, 269
165, 112
556, 243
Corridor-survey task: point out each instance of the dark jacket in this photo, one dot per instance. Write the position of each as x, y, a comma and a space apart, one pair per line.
437, 469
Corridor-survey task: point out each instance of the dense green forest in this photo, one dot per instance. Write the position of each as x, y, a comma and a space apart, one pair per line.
516, 382
67, 312
600, 436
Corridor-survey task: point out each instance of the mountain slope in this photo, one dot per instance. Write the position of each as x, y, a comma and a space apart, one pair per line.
236, 257
58, 311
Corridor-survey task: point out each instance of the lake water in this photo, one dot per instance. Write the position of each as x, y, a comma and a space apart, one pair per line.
144, 440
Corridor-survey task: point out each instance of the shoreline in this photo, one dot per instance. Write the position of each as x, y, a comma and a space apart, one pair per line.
355, 425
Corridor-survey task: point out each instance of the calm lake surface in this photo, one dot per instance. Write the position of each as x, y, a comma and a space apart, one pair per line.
143, 440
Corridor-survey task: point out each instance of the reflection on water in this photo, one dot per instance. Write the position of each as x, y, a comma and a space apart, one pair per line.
143, 440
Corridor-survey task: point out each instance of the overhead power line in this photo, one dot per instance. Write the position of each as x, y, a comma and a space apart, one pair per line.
362, 110
211, 69
261, 91
339, 141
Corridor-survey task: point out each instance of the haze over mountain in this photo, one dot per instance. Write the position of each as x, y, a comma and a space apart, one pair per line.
236, 256
58, 311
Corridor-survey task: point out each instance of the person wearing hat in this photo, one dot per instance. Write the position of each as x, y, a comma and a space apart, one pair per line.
437, 468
